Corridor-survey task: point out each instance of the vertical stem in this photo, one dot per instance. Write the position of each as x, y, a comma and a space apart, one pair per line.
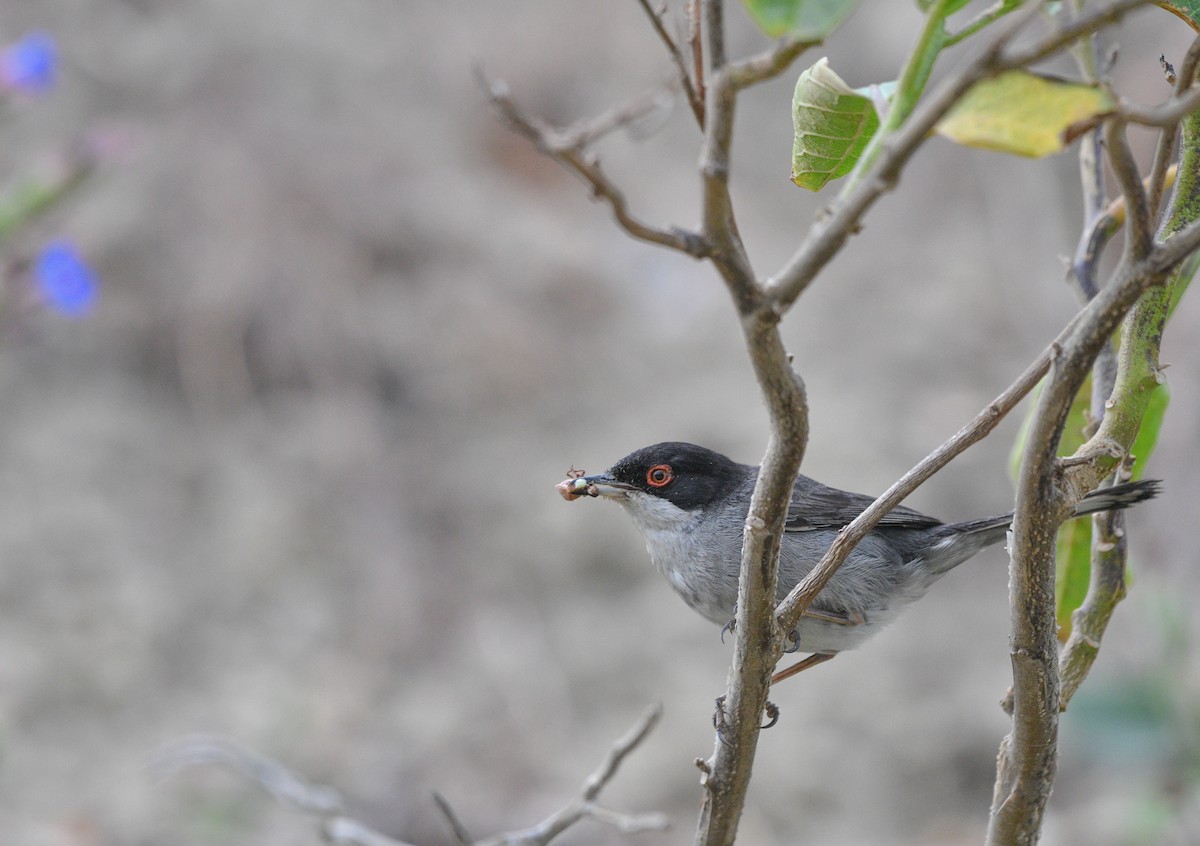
909, 88
757, 644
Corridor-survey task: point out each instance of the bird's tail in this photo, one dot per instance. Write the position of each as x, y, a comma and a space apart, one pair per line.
980, 533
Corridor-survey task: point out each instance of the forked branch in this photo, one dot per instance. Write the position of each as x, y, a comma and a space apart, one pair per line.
326, 806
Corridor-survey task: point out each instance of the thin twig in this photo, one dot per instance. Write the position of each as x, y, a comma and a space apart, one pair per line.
792, 608
695, 101
1047, 45
984, 19
1100, 231
282, 784
584, 807
564, 146
1138, 227
1165, 116
461, 835
604, 773
1095, 235
697, 45
768, 64
325, 803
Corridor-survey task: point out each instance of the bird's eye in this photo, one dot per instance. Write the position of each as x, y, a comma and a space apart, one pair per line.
659, 476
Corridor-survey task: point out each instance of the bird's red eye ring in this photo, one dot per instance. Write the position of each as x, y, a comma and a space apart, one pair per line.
659, 476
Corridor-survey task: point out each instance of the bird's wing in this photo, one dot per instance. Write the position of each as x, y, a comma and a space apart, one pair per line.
817, 506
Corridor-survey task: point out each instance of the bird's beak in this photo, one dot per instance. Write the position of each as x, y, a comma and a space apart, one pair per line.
601, 484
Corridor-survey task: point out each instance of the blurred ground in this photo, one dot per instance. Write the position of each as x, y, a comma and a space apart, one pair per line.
292, 481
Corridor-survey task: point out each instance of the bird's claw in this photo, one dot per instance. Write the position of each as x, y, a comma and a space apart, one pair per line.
719, 719
719, 723
728, 627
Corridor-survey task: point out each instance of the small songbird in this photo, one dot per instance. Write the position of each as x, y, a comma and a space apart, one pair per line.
690, 504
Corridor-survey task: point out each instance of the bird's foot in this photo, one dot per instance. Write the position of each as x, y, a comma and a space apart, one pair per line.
720, 724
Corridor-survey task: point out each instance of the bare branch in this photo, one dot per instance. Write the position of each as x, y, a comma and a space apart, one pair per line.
768, 64
727, 774
1100, 231
325, 803
1137, 213
1047, 45
584, 807
345, 831
1175, 249
800, 598
603, 774
1166, 116
567, 148
697, 45
285, 787
695, 100
1097, 232
461, 835
720, 226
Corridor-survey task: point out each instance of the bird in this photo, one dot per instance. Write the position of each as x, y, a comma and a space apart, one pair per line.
690, 504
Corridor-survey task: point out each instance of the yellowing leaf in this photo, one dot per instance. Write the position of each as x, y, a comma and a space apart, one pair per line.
1026, 114
832, 125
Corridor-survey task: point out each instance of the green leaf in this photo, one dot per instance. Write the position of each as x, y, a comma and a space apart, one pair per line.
1026, 114
1073, 548
832, 124
1189, 10
1147, 436
804, 20
1072, 571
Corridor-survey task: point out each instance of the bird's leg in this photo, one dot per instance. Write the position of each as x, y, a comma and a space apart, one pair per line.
850, 618
803, 664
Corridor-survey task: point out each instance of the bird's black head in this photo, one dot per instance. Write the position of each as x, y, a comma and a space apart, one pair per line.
689, 476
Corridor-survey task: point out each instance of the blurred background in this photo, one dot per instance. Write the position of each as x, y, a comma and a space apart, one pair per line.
289, 477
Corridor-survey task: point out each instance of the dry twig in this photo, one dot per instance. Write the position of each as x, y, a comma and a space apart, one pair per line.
337, 828
569, 148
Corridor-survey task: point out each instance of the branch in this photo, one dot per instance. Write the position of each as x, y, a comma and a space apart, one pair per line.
285, 787
1138, 227
567, 147
828, 235
768, 64
1106, 588
984, 19
326, 804
697, 45
1052, 42
584, 806
1047, 492
1165, 116
1101, 230
757, 641
802, 595
694, 98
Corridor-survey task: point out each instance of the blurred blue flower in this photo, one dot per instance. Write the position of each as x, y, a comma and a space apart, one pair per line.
64, 279
29, 65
